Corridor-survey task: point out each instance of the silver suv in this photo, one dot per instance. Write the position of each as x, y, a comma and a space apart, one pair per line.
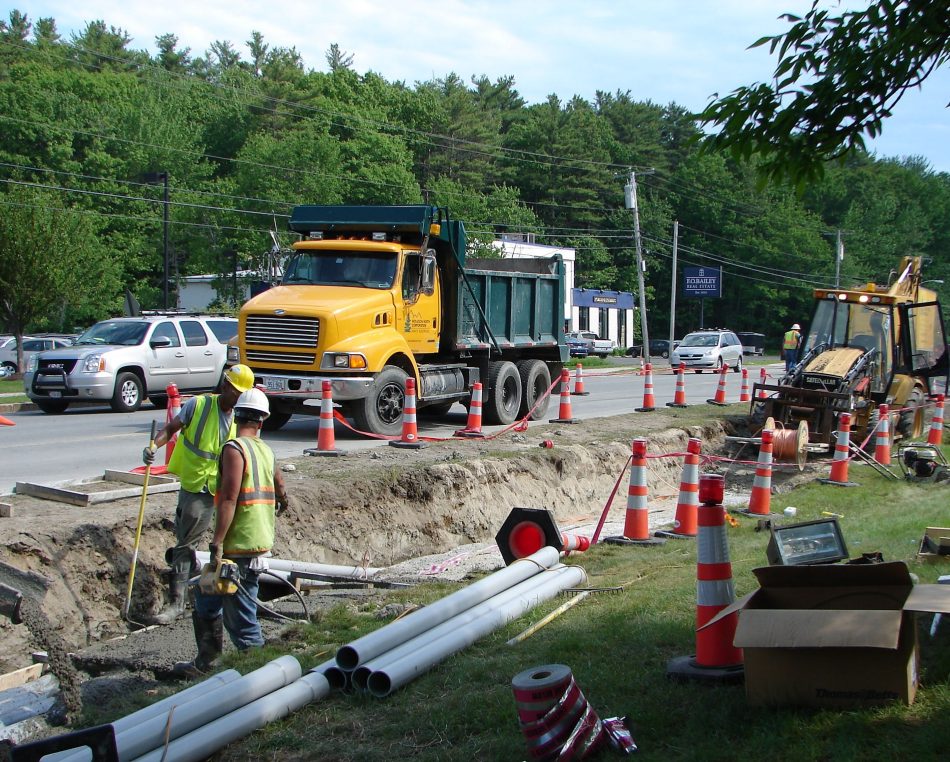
123, 360
711, 348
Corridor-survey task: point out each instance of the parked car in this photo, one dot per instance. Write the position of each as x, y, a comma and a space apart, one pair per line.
595, 344
578, 347
123, 360
658, 348
31, 345
711, 348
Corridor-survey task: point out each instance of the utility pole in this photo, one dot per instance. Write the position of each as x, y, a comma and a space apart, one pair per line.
839, 255
630, 200
676, 238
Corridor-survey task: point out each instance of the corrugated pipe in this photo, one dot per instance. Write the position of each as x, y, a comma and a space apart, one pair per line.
206, 740
361, 673
159, 708
395, 674
303, 567
361, 650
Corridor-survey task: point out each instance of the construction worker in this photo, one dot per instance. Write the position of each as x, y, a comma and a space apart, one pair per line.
250, 493
206, 422
793, 338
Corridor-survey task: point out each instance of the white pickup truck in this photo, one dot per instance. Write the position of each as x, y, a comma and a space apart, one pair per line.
597, 346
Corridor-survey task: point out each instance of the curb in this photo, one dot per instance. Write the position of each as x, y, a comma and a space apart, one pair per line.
18, 407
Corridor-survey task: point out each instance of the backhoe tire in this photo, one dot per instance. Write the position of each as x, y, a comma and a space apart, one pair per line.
381, 411
503, 397
535, 382
911, 423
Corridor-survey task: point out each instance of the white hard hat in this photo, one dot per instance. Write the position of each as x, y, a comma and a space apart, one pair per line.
252, 405
796, 327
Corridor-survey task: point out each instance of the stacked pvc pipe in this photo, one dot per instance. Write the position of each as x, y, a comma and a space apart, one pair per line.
390, 657
304, 567
555, 718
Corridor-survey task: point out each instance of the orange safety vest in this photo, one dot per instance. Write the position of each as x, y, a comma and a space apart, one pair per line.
791, 340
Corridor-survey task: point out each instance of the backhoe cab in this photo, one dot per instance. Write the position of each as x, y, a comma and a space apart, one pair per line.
864, 347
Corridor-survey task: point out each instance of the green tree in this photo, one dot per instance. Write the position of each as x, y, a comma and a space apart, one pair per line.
837, 79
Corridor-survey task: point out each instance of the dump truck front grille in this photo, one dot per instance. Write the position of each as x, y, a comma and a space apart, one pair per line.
282, 331
291, 358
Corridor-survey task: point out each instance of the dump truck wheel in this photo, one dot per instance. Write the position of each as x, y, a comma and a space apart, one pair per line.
911, 423
381, 411
535, 381
504, 393
275, 420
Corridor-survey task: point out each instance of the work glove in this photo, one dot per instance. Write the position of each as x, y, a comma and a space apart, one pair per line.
148, 455
287, 504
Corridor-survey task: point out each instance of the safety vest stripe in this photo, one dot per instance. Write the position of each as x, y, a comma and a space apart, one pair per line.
199, 432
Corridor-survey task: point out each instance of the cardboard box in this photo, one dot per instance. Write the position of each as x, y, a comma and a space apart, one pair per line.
935, 542
833, 635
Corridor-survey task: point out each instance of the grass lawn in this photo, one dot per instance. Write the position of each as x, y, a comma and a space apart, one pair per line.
617, 644
8, 386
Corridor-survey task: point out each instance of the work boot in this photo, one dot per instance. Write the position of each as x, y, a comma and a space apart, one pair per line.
209, 637
177, 595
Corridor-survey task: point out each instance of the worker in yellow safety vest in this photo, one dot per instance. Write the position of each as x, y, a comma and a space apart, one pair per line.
206, 422
251, 492
790, 345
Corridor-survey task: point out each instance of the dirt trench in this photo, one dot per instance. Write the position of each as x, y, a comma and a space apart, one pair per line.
375, 508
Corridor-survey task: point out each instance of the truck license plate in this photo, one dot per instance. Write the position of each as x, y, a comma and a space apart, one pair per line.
274, 384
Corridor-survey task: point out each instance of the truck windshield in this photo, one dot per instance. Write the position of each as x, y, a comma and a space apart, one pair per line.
861, 326
118, 332
342, 268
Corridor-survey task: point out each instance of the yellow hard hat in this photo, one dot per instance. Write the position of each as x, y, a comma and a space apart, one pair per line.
240, 377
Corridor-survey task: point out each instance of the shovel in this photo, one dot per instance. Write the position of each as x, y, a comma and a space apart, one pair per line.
138, 532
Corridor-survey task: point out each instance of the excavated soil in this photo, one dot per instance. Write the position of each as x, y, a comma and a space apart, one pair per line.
384, 507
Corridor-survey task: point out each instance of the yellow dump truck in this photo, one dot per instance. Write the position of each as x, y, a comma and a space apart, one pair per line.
374, 295
866, 346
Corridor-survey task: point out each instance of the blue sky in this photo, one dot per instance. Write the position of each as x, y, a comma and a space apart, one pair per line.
665, 51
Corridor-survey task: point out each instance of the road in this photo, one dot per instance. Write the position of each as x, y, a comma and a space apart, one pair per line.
86, 440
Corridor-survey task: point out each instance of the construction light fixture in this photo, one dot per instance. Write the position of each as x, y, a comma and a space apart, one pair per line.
806, 543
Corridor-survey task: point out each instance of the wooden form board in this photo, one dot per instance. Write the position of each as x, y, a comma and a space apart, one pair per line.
75, 495
20, 676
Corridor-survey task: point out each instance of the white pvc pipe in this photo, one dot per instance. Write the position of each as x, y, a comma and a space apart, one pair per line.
149, 735
205, 741
422, 641
397, 673
339, 679
159, 708
386, 638
304, 567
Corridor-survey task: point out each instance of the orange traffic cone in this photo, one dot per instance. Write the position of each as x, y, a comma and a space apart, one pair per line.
679, 395
839, 465
716, 658
684, 523
744, 395
564, 414
760, 501
6, 421
935, 435
649, 402
473, 429
171, 413
326, 437
720, 398
882, 442
410, 434
579, 382
636, 527
762, 376
574, 543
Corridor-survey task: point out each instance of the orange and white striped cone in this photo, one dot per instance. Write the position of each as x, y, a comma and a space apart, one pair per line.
564, 414
579, 382
636, 526
172, 409
839, 464
326, 435
6, 421
574, 543
760, 501
649, 401
679, 395
473, 428
882, 441
935, 435
684, 523
744, 395
409, 439
716, 658
720, 398
762, 376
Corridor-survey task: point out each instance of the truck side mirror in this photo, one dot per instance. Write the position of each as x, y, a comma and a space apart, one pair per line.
160, 342
427, 285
